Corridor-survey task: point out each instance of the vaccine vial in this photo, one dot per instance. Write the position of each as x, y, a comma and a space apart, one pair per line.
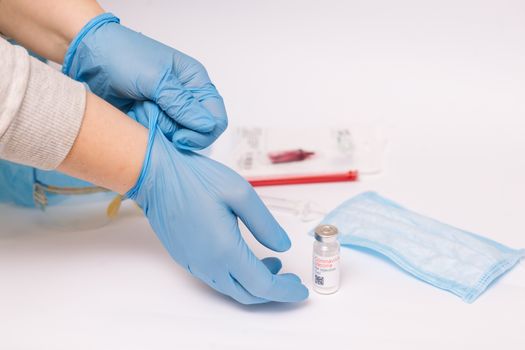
326, 270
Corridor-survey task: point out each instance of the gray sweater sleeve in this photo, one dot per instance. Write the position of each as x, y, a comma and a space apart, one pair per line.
41, 110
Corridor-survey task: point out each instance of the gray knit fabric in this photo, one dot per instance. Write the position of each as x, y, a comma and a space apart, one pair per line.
41, 110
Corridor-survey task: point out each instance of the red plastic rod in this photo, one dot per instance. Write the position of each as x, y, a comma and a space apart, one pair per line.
305, 179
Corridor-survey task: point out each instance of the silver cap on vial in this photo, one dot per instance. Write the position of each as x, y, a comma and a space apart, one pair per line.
326, 233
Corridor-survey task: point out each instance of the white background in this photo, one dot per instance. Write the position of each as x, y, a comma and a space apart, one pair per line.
447, 78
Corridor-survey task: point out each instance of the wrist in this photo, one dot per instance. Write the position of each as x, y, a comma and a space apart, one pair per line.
109, 150
89, 27
154, 114
46, 27
69, 26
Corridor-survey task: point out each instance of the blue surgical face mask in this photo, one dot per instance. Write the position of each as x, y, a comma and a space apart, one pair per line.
23, 185
446, 257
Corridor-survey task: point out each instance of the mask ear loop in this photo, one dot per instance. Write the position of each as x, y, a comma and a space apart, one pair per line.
39, 195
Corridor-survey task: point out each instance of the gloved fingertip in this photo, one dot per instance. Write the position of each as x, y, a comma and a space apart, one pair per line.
204, 124
292, 277
246, 299
273, 264
291, 289
287, 243
301, 293
196, 118
306, 293
284, 243
256, 302
186, 145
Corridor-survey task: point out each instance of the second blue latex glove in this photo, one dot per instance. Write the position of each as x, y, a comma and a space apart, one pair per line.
193, 204
123, 66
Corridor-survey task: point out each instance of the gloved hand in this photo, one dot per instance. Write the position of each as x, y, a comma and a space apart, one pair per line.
193, 203
123, 66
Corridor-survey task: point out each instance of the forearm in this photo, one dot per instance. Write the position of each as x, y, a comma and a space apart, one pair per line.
109, 149
46, 26
40, 110
47, 121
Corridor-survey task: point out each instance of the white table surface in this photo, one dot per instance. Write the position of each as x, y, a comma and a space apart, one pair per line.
446, 78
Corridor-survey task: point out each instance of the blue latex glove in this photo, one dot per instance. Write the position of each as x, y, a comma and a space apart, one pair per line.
193, 203
123, 66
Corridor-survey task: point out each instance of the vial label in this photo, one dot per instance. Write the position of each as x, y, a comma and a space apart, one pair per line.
326, 271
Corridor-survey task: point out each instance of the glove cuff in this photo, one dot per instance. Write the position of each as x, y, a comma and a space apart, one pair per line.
132, 193
93, 24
